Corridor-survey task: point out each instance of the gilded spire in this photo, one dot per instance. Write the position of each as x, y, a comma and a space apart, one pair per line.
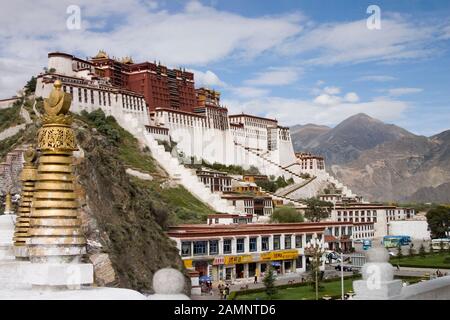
55, 226
101, 55
28, 178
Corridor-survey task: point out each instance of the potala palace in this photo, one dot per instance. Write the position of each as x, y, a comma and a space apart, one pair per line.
158, 104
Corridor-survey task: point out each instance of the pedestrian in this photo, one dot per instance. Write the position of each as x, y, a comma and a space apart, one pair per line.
221, 291
227, 291
256, 279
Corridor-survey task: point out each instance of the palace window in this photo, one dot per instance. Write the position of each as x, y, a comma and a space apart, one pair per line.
308, 238
287, 241
298, 241
79, 95
265, 243
253, 244
213, 247
276, 242
200, 248
240, 245
227, 246
185, 248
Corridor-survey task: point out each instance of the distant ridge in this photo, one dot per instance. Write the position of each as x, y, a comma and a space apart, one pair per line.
382, 162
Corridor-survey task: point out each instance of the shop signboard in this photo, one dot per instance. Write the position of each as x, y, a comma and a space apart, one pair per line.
188, 263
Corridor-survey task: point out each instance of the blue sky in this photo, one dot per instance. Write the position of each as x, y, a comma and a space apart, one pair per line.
299, 61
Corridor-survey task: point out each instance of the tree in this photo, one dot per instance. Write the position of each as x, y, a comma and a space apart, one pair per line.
30, 87
422, 251
287, 214
269, 283
399, 251
439, 221
317, 209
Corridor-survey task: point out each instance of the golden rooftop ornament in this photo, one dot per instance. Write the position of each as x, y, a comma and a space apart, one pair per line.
28, 178
55, 226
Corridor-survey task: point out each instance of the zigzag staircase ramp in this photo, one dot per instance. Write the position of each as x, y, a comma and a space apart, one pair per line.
187, 177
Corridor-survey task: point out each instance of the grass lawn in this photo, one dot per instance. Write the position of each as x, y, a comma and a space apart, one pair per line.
306, 292
435, 260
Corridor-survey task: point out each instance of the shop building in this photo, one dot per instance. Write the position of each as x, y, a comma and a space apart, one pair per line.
239, 252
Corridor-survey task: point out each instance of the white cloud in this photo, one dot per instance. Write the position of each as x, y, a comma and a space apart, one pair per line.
327, 100
403, 91
351, 97
275, 77
207, 79
297, 111
249, 92
376, 78
332, 90
353, 42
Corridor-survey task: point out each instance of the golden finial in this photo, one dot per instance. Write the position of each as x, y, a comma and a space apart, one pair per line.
58, 103
30, 155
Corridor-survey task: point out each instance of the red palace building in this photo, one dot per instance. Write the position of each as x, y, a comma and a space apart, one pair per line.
162, 87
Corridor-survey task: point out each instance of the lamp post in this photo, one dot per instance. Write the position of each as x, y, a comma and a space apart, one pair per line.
316, 249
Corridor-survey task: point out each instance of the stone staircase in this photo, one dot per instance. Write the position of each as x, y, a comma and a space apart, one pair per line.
274, 165
290, 189
187, 177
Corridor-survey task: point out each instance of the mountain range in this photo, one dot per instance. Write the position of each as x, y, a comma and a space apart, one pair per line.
382, 162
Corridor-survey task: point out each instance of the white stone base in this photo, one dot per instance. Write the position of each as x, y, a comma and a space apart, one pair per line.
6, 252
13, 274
384, 290
81, 294
62, 274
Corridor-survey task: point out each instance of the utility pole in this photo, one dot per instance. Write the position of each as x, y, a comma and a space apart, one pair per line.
342, 275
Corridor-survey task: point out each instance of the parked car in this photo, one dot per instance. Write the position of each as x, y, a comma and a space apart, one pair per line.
358, 241
346, 268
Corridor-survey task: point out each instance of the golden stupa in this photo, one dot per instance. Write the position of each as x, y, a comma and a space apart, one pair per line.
55, 225
8, 203
28, 178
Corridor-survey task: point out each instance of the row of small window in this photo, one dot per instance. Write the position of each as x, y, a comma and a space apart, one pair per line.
374, 213
134, 103
363, 235
374, 219
211, 247
339, 231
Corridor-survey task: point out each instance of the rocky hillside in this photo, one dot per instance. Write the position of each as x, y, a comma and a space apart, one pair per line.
386, 163
347, 140
302, 135
124, 215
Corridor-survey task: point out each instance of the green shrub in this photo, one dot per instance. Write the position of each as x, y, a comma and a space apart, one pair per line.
287, 214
